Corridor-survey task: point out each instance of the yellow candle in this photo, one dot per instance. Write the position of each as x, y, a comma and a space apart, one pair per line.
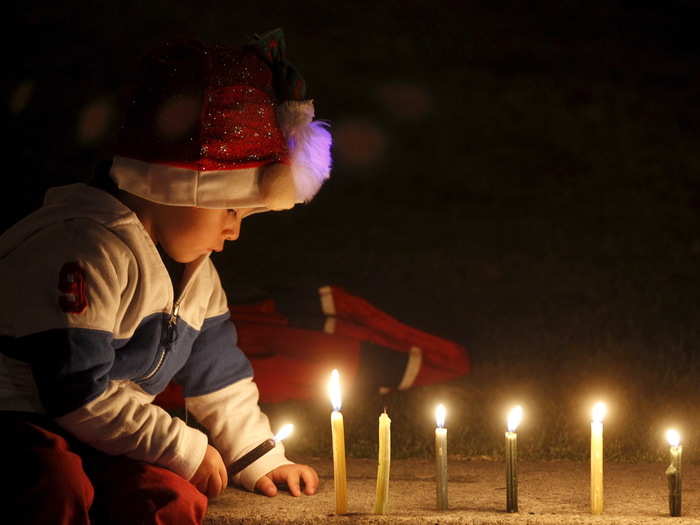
382, 497
674, 473
441, 457
599, 410
515, 416
338, 433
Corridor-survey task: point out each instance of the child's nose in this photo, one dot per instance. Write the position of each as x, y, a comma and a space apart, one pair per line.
232, 229
230, 235
232, 232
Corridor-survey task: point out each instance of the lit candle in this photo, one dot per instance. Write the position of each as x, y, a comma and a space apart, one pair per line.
674, 472
441, 457
599, 410
338, 433
382, 497
259, 451
515, 416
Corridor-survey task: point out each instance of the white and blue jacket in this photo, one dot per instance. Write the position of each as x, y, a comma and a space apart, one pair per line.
91, 331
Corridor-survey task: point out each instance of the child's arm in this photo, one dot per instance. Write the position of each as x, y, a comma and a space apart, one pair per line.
122, 421
237, 425
220, 392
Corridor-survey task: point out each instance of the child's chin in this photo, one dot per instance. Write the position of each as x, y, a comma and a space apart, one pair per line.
185, 258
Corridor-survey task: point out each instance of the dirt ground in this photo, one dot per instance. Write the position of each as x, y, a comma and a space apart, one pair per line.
554, 492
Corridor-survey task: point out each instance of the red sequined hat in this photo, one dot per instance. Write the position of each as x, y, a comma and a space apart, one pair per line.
216, 127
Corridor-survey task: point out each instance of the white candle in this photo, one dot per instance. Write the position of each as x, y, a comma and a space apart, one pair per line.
382, 496
674, 472
338, 434
441, 457
599, 411
515, 416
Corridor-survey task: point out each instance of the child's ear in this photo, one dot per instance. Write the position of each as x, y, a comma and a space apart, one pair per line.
277, 186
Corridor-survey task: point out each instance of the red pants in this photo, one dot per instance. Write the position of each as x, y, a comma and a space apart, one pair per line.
52, 478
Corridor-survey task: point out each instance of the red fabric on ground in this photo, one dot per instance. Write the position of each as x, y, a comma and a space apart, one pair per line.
355, 317
293, 363
288, 363
441, 362
55, 479
262, 312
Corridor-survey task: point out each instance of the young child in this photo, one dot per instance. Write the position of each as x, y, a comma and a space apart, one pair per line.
108, 293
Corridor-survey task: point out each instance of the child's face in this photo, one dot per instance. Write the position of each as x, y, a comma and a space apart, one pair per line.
186, 233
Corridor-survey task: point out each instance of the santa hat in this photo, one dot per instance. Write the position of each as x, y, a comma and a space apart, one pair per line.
215, 127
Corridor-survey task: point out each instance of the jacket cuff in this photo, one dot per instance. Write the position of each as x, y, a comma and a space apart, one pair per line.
250, 475
190, 453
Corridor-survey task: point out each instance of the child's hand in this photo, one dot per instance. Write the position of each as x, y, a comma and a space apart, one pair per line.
290, 475
211, 476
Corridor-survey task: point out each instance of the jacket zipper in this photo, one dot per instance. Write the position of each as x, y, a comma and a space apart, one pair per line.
170, 334
167, 341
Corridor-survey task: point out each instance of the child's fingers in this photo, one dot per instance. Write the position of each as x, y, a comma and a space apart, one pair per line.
214, 486
293, 483
310, 481
223, 475
266, 486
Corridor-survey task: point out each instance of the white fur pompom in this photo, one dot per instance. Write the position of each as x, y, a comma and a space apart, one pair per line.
293, 115
309, 144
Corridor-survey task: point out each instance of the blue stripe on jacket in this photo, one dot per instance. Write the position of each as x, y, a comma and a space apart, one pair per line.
216, 360
72, 366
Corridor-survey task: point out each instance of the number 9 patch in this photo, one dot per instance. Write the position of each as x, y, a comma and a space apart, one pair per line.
73, 287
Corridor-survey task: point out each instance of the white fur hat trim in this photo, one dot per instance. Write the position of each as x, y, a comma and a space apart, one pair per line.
176, 186
273, 186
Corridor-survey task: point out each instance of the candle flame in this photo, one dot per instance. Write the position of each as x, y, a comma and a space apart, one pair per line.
334, 389
599, 411
515, 416
673, 437
440, 414
284, 432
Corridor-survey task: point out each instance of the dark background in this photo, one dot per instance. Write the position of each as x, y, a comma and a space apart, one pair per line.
522, 177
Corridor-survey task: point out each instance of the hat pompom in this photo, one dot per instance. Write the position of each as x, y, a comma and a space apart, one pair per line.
309, 144
277, 187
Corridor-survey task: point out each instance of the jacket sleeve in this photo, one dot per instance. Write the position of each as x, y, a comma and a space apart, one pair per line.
123, 421
74, 281
220, 392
